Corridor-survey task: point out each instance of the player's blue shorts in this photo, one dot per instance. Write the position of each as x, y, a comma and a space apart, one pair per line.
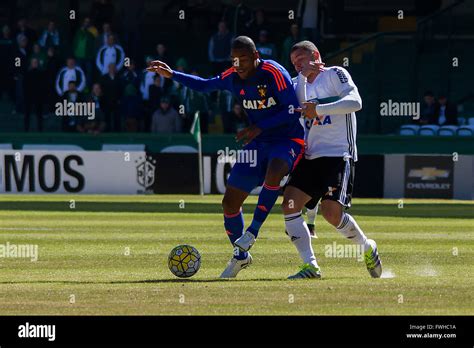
250, 171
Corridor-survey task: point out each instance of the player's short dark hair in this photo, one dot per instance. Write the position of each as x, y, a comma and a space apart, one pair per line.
244, 42
306, 45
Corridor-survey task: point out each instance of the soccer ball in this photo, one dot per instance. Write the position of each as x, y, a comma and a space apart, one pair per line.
184, 261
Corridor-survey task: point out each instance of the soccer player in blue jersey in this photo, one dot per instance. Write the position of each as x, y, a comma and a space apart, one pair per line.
275, 135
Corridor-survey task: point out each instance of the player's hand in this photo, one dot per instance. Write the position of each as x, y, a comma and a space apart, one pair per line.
308, 110
248, 134
160, 68
311, 67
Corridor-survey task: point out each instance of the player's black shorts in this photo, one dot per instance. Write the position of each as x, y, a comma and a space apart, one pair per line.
325, 178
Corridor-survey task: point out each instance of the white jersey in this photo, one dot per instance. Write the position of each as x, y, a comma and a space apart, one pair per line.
334, 133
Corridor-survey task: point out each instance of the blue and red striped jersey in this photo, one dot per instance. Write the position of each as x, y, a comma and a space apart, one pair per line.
268, 98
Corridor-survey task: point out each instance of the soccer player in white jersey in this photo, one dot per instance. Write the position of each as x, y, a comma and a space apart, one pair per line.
329, 100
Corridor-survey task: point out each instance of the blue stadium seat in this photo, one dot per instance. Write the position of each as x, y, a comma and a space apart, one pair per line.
409, 129
429, 130
466, 131
447, 130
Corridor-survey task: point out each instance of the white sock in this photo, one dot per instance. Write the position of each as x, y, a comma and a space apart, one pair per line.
311, 214
348, 228
299, 233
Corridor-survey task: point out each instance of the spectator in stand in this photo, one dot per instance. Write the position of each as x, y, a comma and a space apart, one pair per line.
39, 54
71, 72
110, 54
219, 49
294, 37
96, 125
72, 95
112, 91
258, 24
156, 91
428, 109
132, 109
234, 120
166, 119
49, 37
147, 79
34, 87
53, 65
446, 113
130, 75
161, 53
22, 52
239, 16
102, 11
23, 29
83, 47
266, 49
103, 37
195, 101
7, 47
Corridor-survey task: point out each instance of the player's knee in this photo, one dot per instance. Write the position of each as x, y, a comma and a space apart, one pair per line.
277, 169
229, 206
333, 216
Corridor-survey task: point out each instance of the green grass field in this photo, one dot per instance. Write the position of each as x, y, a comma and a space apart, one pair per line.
108, 256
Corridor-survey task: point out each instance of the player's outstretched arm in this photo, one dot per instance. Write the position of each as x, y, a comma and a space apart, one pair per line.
194, 82
160, 68
349, 97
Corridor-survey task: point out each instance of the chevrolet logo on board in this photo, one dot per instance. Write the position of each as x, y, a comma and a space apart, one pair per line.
428, 173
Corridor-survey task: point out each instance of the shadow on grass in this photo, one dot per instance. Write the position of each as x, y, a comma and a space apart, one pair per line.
145, 281
439, 210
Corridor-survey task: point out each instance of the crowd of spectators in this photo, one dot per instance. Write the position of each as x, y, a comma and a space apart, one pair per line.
439, 112
37, 72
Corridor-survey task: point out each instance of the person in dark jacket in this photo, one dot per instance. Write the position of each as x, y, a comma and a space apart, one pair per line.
33, 89
112, 89
428, 109
22, 53
219, 49
71, 122
53, 64
7, 48
446, 113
